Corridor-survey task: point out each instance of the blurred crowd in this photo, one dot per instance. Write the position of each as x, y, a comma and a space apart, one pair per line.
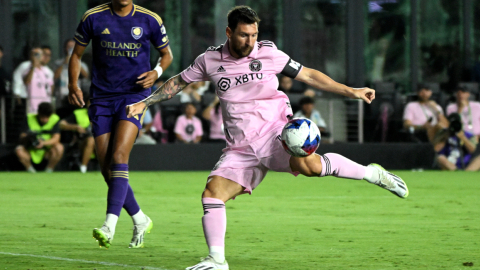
48, 129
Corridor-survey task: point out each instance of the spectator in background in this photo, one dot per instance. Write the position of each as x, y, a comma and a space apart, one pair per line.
307, 110
61, 72
285, 84
79, 123
190, 94
188, 128
424, 118
468, 110
40, 139
213, 114
34, 79
455, 147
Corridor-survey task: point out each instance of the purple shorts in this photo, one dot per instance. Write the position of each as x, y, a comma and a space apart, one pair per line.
104, 115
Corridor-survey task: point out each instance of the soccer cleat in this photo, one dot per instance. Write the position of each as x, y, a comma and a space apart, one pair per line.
104, 236
390, 181
139, 233
209, 263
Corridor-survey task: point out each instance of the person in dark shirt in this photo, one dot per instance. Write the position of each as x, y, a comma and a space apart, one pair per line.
40, 139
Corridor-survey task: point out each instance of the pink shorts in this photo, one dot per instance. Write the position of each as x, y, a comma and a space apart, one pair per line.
248, 165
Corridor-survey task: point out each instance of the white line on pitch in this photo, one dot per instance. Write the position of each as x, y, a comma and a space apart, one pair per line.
81, 261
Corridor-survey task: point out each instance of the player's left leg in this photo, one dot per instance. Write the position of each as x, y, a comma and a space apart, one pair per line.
217, 192
120, 193
340, 166
54, 155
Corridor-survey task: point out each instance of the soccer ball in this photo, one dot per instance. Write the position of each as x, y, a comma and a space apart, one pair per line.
300, 137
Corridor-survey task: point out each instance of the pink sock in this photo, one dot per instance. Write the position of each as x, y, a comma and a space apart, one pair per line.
214, 221
340, 166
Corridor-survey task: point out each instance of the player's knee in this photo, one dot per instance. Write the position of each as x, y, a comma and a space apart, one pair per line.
90, 142
120, 157
312, 166
22, 153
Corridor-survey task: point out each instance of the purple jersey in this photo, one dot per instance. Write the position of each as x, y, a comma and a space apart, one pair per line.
121, 49
456, 152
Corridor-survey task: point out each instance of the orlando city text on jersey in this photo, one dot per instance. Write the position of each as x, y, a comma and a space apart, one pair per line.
121, 48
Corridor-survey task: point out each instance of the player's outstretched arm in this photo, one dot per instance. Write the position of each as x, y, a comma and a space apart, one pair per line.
321, 81
169, 89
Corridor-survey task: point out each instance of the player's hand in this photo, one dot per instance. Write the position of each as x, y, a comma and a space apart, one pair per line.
367, 94
147, 79
135, 109
75, 95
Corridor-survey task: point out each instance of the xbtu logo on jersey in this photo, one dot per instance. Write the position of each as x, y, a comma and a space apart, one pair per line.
225, 83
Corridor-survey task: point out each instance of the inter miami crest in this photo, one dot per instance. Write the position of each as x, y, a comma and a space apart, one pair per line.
137, 32
255, 65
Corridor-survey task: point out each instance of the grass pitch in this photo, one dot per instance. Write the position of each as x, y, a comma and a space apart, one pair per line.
46, 222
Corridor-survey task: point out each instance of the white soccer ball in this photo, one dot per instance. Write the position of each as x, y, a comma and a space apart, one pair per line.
300, 137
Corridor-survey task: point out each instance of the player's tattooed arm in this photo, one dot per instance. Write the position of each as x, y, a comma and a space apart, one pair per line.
169, 89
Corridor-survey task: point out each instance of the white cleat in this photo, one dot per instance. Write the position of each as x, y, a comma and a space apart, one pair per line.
209, 263
103, 236
390, 181
139, 233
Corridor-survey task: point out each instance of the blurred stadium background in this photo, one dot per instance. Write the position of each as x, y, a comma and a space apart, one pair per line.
390, 45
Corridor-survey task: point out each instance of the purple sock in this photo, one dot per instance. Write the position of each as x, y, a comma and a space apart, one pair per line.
117, 189
131, 205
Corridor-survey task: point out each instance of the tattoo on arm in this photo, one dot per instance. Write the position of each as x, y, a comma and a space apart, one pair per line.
169, 89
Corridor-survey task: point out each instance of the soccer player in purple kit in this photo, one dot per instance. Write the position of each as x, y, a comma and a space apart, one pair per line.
254, 114
121, 33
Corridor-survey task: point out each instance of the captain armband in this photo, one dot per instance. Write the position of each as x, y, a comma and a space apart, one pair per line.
291, 69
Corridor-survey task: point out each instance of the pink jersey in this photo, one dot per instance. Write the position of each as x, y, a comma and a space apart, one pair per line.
419, 114
470, 116
40, 88
216, 125
189, 129
247, 89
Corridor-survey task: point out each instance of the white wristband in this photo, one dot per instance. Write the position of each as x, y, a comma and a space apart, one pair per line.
159, 70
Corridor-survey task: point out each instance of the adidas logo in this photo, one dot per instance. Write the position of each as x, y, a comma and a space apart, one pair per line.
221, 69
105, 32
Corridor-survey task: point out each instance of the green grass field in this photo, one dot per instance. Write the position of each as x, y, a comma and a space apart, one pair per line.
46, 221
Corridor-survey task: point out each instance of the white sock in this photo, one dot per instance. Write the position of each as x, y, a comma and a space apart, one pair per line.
139, 218
218, 253
48, 170
371, 174
31, 169
111, 222
83, 168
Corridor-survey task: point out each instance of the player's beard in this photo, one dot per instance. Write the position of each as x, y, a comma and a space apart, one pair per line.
242, 51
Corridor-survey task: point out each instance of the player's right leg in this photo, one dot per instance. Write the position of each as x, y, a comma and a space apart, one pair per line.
217, 192
340, 166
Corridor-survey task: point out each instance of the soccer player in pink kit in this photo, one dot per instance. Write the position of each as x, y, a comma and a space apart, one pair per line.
254, 114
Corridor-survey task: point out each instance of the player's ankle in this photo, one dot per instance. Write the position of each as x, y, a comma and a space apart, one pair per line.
139, 218
218, 253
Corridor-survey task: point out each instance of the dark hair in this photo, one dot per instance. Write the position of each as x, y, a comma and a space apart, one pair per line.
461, 88
243, 14
45, 109
185, 105
46, 47
306, 100
423, 86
